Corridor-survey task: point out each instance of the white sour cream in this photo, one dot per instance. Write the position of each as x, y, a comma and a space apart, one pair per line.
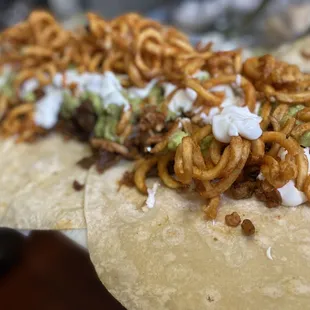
230, 98
150, 202
47, 109
183, 99
291, 196
201, 75
234, 121
106, 85
207, 119
29, 86
136, 92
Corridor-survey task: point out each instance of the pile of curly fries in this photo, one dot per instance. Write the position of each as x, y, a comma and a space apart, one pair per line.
143, 50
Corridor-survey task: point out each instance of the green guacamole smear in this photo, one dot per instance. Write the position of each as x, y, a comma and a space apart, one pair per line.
175, 139
292, 111
304, 140
107, 122
69, 105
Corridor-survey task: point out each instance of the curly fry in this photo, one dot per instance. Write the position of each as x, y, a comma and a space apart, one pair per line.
140, 174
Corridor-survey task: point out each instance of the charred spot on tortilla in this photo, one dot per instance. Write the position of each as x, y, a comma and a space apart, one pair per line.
248, 228
243, 190
78, 186
127, 179
267, 193
87, 162
233, 219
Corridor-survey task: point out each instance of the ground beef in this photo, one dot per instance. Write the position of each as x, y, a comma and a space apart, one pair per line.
267, 193
248, 228
39, 93
242, 190
151, 119
78, 186
251, 173
127, 179
232, 220
81, 124
85, 117
106, 160
87, 162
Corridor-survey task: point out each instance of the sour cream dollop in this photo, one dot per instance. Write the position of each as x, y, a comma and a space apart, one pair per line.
47, 109
29, 86
291, 196
182, 100
234, 121
106, 85
136, 92
230, 98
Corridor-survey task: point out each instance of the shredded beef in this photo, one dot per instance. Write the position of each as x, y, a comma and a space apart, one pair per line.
78, 186
151, 119
127, 179
232, 220
267, 193
86, 162
242, 190
248, 228
106, 160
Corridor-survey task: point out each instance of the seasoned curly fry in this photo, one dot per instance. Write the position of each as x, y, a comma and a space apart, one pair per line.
163, 171
211, 209
140, 174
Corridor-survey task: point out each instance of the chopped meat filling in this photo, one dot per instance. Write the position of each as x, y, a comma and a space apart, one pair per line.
82, 122
78, 186
86, 162
39, 93
127, 179
151, 119
267, 193
85, 117
232, 220
106, 160
248, 228
243, 190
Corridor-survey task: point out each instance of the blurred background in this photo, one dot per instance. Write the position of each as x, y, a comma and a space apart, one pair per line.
229, 23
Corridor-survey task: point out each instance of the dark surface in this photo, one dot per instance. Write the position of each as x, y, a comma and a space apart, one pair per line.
53, 273
11, 249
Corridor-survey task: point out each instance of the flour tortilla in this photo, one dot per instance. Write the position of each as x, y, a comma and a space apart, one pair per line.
36, 184
170, 258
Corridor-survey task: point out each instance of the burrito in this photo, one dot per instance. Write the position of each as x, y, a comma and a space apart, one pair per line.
198, 177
